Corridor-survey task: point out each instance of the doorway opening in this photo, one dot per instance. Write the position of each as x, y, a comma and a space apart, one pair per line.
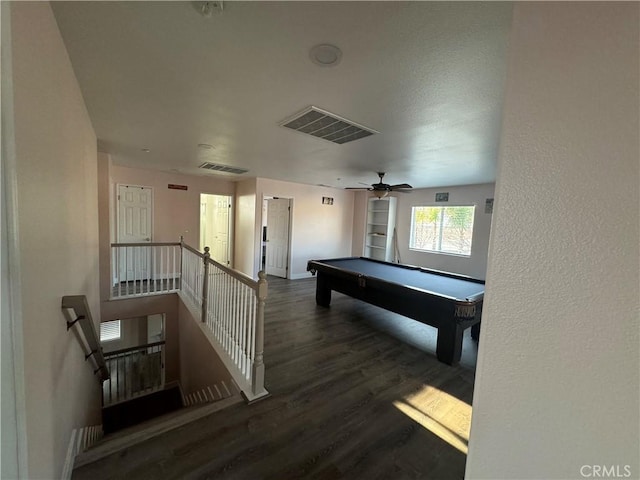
276, 214
215, 226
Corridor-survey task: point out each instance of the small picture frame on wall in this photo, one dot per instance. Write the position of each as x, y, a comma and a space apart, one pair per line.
442, 197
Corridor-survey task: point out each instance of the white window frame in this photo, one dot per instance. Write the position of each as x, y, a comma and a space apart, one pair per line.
438, 249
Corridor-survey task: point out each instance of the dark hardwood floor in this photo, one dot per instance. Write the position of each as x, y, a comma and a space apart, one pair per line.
356, 393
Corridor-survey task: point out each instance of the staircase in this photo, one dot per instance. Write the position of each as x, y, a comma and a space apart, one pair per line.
202, 403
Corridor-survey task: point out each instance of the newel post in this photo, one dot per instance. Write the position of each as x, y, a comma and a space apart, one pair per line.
205, 284
258, 363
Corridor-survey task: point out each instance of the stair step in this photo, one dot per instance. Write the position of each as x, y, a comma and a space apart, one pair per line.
141, 432
207, 395
125, 414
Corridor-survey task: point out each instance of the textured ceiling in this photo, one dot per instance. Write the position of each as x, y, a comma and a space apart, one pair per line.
429, 76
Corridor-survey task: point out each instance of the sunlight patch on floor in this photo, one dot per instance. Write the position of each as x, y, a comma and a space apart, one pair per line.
441, 413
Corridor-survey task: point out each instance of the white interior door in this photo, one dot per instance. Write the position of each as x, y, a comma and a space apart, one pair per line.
215, 226
135, 213
277, 243
220, 248
155, 328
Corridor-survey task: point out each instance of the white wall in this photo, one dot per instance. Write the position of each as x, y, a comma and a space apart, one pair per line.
133, 332
557, 377
175, 212
58, 231
13, 453
200, 365
161, 304
246, 229
475, 265
317, 230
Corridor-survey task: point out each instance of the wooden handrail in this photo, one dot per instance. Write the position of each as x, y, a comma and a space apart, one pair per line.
147, 244
132, 349
80, 307
191, 249
244, 278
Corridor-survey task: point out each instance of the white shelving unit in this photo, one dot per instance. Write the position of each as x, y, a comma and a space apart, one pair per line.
381, 221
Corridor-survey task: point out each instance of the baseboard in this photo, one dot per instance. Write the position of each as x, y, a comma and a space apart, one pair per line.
300, 276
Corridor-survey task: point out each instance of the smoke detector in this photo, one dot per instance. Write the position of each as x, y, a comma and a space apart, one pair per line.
325, 55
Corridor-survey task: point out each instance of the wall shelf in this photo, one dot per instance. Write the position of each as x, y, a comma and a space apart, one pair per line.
381, 222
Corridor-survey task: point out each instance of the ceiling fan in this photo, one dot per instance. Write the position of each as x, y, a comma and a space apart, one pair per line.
381, 189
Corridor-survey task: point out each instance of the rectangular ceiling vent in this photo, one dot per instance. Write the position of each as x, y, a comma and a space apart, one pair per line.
325, 125
223, 168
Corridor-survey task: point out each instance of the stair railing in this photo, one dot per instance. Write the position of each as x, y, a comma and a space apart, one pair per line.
78, 312
135, 371
142, 269
230, 305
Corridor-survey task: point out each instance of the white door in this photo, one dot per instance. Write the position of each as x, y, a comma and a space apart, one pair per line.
220, 247
215, 227
135, 213
277, 254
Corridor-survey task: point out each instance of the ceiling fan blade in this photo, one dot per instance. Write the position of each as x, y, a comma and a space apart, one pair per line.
401, 190
401, 185
357, 188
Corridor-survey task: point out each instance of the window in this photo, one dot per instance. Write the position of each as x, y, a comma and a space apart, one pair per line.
442, 229
110, 331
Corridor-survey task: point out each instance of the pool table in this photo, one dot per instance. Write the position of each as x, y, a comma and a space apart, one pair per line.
447, 301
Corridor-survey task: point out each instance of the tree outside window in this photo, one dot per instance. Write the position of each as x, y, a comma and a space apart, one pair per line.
442, 229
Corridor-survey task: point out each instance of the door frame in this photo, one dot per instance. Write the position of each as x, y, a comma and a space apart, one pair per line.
263, 222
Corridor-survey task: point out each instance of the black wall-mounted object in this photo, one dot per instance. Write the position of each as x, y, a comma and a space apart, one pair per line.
488, 205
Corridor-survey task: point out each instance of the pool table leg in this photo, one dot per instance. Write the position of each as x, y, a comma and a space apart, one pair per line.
323, 292
449, 347
475, 331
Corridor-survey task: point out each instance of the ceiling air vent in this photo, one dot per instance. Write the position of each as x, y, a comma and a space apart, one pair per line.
223, 168
325, 125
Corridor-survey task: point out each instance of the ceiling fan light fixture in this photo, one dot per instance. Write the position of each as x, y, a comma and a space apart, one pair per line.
380, 193
382, 189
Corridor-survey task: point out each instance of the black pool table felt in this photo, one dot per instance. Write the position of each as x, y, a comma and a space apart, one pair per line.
441, 285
